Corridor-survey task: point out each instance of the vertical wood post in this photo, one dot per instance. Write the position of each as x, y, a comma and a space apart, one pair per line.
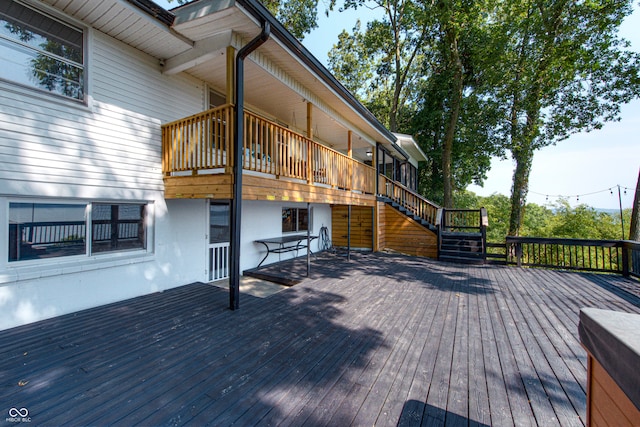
626, 254
230, 98
310, 138
350, 184
349, 233
231, 75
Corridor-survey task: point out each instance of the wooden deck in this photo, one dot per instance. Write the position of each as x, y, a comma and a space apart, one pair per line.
384, 340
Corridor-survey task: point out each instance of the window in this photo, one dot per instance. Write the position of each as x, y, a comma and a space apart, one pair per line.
50, 230
117, 227
216, 100
294, 219
39, 230
219, 228
40, 51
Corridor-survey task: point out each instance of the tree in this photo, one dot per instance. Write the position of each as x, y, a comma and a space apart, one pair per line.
391, 47
562, 69
416, 68
634, 228
350, 64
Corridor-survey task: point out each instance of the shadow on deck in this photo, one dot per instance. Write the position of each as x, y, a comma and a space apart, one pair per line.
383, 339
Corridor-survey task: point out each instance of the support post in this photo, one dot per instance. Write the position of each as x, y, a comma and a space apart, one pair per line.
310, 138
236, 202
308, 238
349, 233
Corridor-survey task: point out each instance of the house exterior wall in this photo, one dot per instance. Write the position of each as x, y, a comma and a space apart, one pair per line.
54, 150
263, 220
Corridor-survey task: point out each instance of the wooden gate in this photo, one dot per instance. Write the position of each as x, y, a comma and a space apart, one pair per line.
361, 226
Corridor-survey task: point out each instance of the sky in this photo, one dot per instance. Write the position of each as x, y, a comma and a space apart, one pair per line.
586, 168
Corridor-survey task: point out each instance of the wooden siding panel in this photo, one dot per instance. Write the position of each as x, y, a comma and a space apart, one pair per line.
218, 186
608, 404
401, 233
361, 226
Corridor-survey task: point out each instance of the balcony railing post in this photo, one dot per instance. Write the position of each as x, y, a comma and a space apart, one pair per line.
309, 159
626, 252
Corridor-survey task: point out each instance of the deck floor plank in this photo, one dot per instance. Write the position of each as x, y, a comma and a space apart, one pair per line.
383, 339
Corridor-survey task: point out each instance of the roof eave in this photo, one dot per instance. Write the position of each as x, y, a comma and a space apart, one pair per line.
158, 12
260, 12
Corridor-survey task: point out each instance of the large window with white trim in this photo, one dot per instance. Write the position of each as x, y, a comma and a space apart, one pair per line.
54, 230
40, 50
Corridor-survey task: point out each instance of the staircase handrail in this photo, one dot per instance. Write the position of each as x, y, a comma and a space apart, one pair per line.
413, 202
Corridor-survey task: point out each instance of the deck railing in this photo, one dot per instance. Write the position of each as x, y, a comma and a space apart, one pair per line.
410, 200
610, 256
202, 142
464, 220
198, 142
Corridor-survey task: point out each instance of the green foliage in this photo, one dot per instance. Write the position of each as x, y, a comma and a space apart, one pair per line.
556, 220
385, 58
559, 68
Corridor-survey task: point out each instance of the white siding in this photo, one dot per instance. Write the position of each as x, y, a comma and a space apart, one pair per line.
262, 220
52, 149
124, 77
111, 149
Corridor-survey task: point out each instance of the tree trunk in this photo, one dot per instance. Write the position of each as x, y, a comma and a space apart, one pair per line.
520, 189
455, 104
634, 231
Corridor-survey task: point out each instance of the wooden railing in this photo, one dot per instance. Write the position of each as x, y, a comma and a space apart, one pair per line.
202, 142
410, 200
198, 142
464, 220
611, 256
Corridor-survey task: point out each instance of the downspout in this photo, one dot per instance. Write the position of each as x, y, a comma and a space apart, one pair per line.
236, 202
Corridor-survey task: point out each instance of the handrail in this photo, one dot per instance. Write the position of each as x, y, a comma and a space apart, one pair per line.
464, 220
610, 256
409, 200
201, 142
197, 142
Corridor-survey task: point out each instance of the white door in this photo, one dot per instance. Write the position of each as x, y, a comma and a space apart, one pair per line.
218, 247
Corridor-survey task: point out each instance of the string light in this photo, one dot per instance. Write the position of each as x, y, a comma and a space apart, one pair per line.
578, 196
610, 190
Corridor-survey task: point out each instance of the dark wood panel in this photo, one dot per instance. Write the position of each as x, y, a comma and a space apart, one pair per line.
381, 340
401, 233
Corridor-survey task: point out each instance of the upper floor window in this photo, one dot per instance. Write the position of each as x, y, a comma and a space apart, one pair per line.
41, 51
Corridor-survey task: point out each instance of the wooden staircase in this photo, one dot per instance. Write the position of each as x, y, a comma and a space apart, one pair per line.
462, 236
461, 233
402, 209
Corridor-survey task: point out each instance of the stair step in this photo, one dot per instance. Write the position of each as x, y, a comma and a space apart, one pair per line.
460, 260
462, 254
461, 249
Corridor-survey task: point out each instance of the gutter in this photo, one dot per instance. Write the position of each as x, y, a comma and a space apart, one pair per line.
236, 201
154, 10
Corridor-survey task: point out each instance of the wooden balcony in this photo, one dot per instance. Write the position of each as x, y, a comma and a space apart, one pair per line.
278, 163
